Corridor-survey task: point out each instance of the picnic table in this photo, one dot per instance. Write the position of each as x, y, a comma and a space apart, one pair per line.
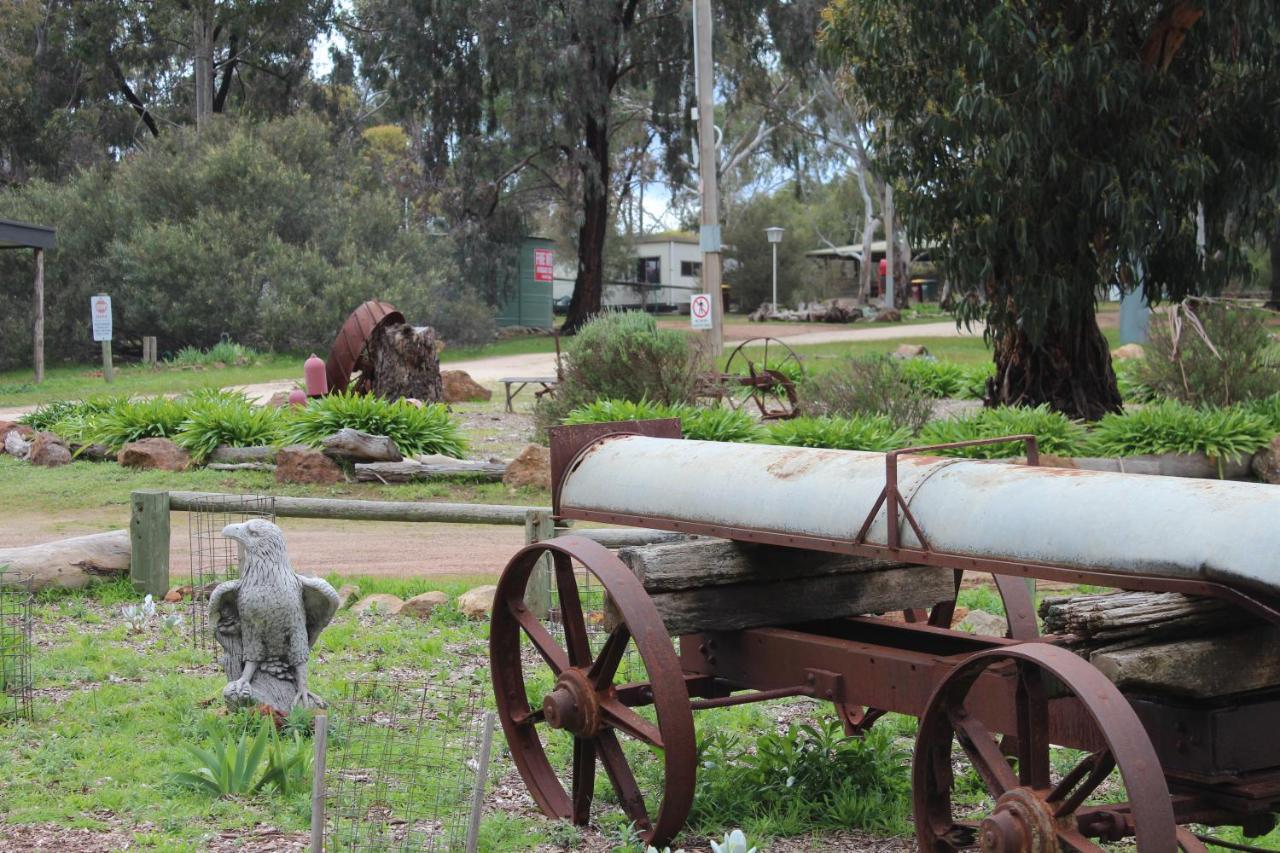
548, 384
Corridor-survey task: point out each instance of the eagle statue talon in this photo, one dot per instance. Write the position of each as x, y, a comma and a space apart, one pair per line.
268, 620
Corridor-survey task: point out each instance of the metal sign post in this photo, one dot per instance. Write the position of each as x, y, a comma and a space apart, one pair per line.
100, 316
709, 237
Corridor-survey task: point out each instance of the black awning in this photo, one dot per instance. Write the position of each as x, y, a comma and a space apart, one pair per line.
22, 235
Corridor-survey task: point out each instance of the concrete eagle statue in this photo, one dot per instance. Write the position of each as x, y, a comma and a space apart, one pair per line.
267, 621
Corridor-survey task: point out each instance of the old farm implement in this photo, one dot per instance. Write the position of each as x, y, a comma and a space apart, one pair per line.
793, 547
760, 377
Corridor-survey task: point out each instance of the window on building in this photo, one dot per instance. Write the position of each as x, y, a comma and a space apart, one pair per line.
691, 269
649, 270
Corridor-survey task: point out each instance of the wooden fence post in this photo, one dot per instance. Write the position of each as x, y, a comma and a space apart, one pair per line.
149, 541
539, 527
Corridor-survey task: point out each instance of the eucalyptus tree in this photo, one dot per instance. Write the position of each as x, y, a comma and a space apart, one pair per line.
1054, 149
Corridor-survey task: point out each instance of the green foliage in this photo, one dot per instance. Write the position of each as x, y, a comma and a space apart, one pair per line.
1268, 408
131, 420
70, 418
247, 755
415, 430
1132, 388
1171, 427
1180, 365
1055, 433
223, 352
232, 422
866, 385
943, 379
699, 424
811, 777
874, 432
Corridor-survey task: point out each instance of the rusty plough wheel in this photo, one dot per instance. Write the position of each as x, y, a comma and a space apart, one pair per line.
347, 354
584, 702
1036, 809
765, 384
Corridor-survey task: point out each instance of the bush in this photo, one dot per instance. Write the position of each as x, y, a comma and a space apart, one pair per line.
1171, 427
623, 356
1055, 433
943, 379
1268, 408
873, 432
869, 385
415, 430
1244, 368
131, 420
709, 424
232, 422
224, 352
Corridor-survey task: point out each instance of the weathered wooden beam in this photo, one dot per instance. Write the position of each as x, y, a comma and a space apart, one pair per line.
696, 563
357, 446
149, 538
1137, 618
781, 602
236, 455
356, 510
412, 470
539, 526
70, 563
241, 466
1210, 666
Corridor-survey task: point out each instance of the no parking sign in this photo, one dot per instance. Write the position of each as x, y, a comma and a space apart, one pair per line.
700, 311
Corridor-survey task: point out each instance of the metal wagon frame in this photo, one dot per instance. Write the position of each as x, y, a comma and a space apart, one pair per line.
1214, 762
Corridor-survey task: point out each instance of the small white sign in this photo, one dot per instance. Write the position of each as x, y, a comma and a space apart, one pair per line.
100, 312
700, 311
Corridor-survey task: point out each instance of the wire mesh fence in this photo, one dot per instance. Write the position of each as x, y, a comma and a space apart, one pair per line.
215, 558
15, 646
405, 759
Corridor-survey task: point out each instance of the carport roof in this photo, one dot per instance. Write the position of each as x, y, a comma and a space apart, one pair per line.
23, 235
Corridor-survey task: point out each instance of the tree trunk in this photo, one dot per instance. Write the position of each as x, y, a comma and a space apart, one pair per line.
202, 46
902, 256
1274, 301
589, 285
403, 361
71, 563
1070, 369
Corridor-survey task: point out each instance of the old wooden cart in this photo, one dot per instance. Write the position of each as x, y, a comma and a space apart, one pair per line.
808, 516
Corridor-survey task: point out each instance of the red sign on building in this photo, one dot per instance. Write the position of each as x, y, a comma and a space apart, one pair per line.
544, 261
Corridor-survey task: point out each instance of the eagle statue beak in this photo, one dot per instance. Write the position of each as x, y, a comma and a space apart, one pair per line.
236, 532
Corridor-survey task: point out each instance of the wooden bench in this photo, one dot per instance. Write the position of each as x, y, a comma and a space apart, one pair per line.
548, 384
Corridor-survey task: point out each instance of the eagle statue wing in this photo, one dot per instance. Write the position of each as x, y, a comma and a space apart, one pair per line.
319, 602
224, 605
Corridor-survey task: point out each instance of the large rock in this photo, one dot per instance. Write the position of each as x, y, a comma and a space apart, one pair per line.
1266, 464
459, 387
15, 444
1128, 352
987, 624
911, 351
7, 427
380, 603
298, 464
531, 468
477, 603
422, 605
889, 315
48, 449
158, 453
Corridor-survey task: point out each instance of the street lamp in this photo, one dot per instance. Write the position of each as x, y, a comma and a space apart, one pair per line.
775, 237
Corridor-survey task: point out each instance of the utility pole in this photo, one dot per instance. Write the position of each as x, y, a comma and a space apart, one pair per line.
709, 237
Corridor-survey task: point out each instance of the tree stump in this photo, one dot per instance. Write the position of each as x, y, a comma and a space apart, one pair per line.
402, 361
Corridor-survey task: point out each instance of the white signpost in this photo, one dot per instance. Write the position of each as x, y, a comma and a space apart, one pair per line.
700, 311
100, 315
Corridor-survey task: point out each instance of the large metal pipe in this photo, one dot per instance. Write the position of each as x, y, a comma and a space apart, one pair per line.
1160, 527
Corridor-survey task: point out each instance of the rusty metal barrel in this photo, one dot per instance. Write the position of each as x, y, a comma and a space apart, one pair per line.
1134, 525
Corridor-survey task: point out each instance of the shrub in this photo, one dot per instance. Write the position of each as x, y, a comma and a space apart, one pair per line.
131, 420
708, 424
1180, 365
869, 385
237, 764
70, 418
874, 432
224, 352
1055, 433
940, 379
1267, 408
415, 430
232, 422
1171, 427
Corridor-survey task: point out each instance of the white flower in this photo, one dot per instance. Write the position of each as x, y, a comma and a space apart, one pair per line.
734, 842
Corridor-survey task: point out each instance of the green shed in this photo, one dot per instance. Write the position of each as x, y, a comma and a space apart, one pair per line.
530, 305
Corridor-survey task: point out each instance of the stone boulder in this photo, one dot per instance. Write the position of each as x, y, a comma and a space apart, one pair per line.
48, 449
159, 453
459, 387
7, 427
911, 351
1128, 352
380, 603
889, 315
477, 603
347, 594
93, 453
982, 622
1266, 464
422, 605
531, 468
299, 464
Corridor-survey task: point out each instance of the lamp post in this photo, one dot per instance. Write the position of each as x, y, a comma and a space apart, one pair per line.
775, 237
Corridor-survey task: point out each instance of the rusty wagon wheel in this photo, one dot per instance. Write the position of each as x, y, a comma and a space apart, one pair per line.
1036, 808
585, 703
765, 383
